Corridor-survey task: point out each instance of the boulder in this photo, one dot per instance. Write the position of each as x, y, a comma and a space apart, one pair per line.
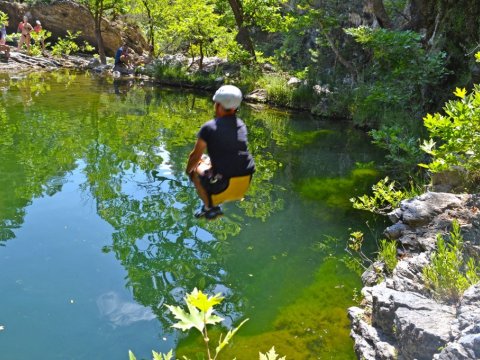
62, 15
370, 343
258, 96
419, 325
321, 90
294, 82
422, 209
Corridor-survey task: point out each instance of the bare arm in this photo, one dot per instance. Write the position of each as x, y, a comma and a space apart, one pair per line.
195, 156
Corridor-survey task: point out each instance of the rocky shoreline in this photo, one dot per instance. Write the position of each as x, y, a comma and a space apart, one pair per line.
398, 319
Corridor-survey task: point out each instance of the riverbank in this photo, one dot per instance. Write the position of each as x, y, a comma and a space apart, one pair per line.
260, 84
398, 318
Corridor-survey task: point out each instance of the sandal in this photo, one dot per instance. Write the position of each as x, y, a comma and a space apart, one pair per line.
209, 214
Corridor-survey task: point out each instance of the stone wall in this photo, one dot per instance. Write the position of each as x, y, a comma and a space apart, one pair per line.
398, 319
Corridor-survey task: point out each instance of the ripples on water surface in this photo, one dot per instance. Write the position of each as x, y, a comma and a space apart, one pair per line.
97, 231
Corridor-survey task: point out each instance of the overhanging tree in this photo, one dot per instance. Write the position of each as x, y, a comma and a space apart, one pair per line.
97, 9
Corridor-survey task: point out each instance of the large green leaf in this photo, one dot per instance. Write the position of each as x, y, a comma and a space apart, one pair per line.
271, 355
200, 300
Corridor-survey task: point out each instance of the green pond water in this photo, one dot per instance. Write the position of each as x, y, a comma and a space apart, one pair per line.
97, 230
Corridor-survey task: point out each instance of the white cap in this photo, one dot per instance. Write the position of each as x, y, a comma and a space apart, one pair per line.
38, 22
229, 96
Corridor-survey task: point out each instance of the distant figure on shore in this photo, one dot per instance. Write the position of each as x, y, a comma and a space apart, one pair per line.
3, 33
38, 29
24, 28
123, 60
3, 39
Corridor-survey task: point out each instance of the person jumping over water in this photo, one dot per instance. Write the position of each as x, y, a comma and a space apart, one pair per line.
225, 140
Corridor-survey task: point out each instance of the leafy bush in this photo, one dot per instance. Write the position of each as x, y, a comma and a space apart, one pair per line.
199, 315
3, 18
68, 45
387, 253
385, 197
448, 274
454, 137
36, 48
403, 150
278, 91
392, 84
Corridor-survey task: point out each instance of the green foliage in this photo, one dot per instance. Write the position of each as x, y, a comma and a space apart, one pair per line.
449, 274
385, 197
454, 136
3, 18
403, 150
387, 253
38, 37
278, 91
179, 75
199, 315
271, 355
393, 80
358, 261
155, 355
67, 45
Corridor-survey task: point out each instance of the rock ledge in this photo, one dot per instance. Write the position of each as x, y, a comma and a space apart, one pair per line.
398, 319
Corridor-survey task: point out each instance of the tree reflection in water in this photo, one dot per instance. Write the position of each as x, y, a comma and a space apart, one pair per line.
131, 143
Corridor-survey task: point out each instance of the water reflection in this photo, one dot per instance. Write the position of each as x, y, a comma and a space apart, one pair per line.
120, 312
131, 141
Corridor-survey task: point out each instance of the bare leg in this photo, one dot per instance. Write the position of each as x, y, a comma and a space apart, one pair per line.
203, 165
20, 42
202, 194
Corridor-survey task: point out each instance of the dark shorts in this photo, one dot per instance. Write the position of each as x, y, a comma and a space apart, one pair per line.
213, 185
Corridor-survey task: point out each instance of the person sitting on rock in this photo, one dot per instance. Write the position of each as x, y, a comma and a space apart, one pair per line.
226, 173
24, 28
123, 60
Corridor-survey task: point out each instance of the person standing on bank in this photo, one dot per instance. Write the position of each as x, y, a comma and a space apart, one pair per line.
225, 140
38, 29
24, 28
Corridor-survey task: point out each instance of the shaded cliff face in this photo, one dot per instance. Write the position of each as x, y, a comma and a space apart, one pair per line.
61, 16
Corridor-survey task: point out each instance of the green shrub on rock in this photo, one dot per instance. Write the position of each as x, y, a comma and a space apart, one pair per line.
387, 253
449, 274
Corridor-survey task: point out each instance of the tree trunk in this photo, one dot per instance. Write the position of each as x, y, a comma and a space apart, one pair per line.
200, 63
101, 46
243, 37
349, 66
97, 17
151, 34
381, 14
